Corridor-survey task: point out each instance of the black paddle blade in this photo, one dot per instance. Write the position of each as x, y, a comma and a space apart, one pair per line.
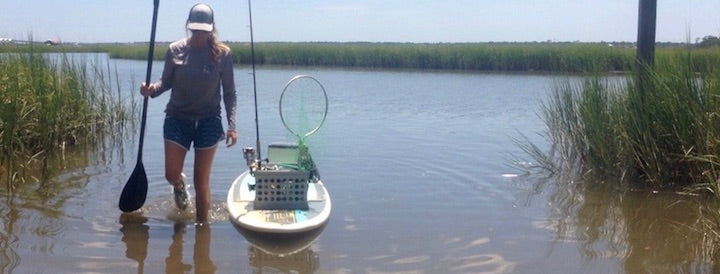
135, 190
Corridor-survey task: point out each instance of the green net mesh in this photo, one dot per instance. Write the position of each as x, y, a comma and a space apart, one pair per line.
303, 109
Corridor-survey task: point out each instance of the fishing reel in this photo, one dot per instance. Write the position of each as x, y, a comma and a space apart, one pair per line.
249, 155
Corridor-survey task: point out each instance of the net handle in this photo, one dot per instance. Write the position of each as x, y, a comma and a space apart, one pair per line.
311, 132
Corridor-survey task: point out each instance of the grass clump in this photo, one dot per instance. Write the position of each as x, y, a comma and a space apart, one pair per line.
46, 105
637, 169
665, 138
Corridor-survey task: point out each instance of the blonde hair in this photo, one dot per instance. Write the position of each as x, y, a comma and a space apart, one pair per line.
217, 47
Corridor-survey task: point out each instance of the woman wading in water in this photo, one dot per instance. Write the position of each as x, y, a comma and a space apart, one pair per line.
198, 70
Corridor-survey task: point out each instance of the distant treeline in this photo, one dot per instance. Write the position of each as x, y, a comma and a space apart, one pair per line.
465, 57
515, 57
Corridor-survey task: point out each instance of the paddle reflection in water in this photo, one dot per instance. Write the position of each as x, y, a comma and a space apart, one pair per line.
644, 230
136, 236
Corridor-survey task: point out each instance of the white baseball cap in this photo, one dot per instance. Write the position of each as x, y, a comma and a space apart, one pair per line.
200, 18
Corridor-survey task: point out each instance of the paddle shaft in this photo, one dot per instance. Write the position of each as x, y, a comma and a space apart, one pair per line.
148, 73
134, 192
252, 60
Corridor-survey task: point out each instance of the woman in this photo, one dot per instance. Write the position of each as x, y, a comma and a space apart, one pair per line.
196, 69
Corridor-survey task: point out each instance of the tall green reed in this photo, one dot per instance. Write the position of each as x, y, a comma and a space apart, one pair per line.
47, 105
665, 138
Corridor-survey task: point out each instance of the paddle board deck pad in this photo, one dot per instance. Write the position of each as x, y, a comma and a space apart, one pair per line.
254, 205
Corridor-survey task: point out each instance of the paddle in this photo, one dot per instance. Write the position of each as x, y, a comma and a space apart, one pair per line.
135, 191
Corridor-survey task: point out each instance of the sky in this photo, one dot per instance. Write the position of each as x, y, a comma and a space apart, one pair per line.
417, 21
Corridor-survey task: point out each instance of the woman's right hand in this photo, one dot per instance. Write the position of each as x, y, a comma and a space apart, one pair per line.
147, 89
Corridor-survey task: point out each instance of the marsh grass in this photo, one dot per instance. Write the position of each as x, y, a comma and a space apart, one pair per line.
49, 104
512, 57
667, 138
636, 174
541, 57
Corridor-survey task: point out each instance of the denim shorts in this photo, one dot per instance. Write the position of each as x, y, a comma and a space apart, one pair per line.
203, 133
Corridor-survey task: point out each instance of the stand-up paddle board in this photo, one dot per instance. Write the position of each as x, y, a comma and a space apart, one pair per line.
279, 198
283, 193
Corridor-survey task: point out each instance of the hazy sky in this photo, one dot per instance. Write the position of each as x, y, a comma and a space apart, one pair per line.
367, 20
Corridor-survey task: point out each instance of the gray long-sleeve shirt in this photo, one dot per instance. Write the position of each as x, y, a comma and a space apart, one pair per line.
196, 81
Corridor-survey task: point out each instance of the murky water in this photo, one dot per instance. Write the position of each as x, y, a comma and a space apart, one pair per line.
418, 167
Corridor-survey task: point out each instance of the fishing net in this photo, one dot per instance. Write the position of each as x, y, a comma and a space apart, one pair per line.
303, 109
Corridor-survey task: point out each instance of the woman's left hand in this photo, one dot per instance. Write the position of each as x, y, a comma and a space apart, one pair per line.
231, 137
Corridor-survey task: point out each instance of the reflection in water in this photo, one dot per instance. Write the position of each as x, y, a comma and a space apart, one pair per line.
173, 262
283, 253
670, 233
461, 254
465, 257
136, 237
37, 195
201, 250
648, 231
32, 206
303, 261
9, 259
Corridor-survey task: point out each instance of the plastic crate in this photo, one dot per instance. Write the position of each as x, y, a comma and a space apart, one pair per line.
281, 189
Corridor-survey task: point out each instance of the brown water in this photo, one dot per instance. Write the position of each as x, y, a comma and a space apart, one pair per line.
419, 169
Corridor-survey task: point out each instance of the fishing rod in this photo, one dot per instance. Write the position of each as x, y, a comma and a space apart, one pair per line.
252, 60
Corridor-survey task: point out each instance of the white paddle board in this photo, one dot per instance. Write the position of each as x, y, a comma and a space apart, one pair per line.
240, 203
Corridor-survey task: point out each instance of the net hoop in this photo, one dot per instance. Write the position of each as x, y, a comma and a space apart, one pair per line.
322, 88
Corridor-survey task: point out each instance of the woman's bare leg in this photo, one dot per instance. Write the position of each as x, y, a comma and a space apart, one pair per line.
201, 179
174, 161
